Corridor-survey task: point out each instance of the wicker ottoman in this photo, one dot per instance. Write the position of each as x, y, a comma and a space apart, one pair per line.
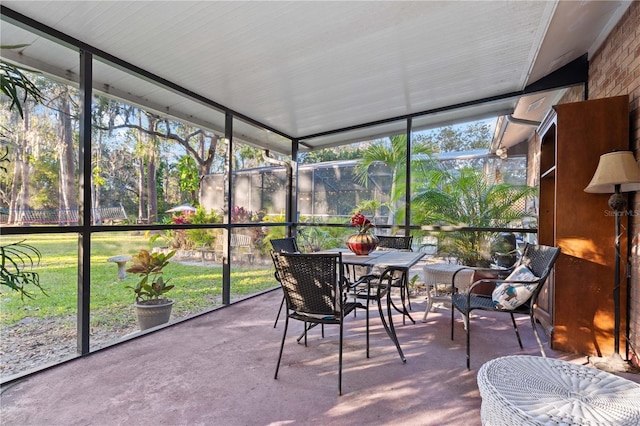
529, 390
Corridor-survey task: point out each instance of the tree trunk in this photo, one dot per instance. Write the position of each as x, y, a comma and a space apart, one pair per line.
393, 204
13, 192
20, 197
95, 183
152, 191
24, 197
142, 214
15, 181
141, 210
67, 200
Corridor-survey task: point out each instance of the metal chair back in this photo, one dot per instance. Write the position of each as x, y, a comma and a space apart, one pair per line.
400, 242
287, 245
312, 285
283, 245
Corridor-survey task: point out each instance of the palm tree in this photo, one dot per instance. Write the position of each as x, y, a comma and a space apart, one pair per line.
464, 198
394, 155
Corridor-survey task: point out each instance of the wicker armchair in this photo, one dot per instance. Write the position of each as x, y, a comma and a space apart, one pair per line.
313, 287
539, 260
283, 245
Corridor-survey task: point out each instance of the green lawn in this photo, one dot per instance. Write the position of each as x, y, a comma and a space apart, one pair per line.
197, 287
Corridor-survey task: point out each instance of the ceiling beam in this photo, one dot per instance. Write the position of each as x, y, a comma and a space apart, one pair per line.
575, 72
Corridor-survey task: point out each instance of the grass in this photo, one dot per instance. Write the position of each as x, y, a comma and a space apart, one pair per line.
197, 287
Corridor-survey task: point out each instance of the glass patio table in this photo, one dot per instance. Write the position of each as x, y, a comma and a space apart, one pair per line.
384, 260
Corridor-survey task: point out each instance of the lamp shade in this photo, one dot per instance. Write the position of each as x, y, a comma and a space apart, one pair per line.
615, 168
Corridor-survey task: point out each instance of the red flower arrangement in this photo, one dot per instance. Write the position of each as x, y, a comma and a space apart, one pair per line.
181, 219
363, 224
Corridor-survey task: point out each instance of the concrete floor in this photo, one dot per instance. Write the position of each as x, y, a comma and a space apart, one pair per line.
218, 369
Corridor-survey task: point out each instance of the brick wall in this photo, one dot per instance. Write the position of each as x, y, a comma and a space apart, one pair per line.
615, 70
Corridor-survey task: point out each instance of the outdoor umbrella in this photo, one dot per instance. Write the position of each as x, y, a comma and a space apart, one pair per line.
182, 208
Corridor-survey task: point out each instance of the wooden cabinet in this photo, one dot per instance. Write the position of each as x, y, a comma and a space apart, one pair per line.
576, 305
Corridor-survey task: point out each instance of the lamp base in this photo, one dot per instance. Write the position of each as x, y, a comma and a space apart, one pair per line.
611, 364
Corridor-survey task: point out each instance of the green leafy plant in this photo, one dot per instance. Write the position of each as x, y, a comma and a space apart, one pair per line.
4, 158
15, 258
412, 282
13, 81
149, 266
18, 256
464, 198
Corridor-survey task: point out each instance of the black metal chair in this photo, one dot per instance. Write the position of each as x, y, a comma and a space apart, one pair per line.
313, 286
400, 279
283, 245
539, 259
399, 242
286, 245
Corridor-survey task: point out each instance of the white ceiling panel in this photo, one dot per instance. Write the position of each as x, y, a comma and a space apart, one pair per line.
304, 68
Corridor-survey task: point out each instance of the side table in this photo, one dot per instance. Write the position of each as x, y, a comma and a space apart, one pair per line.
530, 390
442, 273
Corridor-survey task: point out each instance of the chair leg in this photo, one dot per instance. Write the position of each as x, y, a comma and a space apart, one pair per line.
306, 329
429, 306
367, 326
468, 342
284, 335
340, 359
355, 300
535, 331
515, 327
305, 334
453, 310
279, 311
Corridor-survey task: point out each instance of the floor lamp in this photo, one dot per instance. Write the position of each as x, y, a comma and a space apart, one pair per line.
617, 172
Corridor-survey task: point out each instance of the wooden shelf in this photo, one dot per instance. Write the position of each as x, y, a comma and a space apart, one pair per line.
576, 305
549, 173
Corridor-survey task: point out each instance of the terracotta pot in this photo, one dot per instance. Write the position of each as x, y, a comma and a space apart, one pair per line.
362, 244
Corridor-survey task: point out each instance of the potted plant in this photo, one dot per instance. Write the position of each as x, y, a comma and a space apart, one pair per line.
152, 308
362, 242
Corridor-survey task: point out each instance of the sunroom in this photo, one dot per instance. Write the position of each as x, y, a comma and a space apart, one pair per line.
190, 125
